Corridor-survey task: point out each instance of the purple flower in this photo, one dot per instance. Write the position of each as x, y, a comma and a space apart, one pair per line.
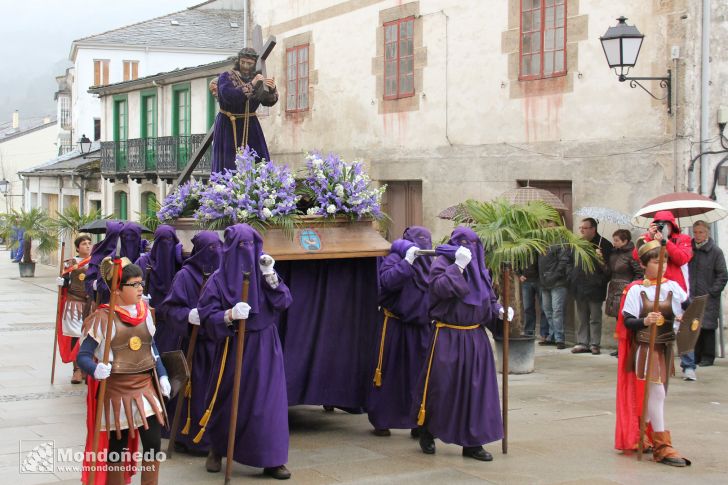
337, 187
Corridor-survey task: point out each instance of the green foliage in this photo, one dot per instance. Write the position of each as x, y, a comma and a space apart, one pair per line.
71, 220
518, 233
37, 226
149, 218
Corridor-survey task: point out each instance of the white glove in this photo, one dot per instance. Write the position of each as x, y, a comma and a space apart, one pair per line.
102, 371
60, 281
411, 254
194, 317
266, 263
146, 298
94, 285
463, 257
165, 386
511, 313
240, 311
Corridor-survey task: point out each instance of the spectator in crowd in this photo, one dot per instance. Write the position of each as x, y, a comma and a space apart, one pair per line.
531, 296
708, 276
553, 276
590, 290
622, 270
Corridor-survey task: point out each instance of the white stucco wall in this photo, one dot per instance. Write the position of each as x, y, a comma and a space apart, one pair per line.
23, 152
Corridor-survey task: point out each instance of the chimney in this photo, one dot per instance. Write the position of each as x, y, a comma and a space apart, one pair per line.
16, 120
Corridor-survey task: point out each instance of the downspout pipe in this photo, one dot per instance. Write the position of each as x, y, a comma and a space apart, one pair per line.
704, 94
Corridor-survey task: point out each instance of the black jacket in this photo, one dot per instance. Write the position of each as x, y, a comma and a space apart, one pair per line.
593, 286
554, 267
708, 275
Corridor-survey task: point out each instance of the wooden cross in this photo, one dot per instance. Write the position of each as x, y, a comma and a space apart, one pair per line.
263, 50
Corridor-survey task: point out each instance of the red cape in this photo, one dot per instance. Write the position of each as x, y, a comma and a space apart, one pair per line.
630, 390
66, 349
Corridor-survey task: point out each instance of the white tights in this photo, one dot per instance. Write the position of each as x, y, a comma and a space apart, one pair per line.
656, 406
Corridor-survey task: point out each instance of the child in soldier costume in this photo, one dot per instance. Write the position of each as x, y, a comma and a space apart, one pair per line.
137, 380
76, 303
633, 329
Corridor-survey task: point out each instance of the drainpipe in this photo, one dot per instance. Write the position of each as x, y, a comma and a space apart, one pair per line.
246, 14
704, 94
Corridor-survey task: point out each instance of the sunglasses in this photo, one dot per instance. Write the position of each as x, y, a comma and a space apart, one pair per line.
138, 284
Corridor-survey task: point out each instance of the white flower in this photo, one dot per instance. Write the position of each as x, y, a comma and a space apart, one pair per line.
312, 211
266, 212
331, 209
220, 188
339, 189
316, 162
269, 202
242, 214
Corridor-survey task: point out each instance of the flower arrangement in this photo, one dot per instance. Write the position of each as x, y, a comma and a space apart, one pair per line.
253, 193
181, 202
333, 187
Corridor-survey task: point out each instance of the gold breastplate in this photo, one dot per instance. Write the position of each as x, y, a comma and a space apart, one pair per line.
664, 331
132, 347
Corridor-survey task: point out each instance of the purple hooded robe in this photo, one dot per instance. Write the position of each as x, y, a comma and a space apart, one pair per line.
175, 309
462, 405
403, 292
161, 264
262, 425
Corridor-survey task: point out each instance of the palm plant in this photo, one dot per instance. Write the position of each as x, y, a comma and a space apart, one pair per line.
517, 234
149, 218
72, 220
37, 225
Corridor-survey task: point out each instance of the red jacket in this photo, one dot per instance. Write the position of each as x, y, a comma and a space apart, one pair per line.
679, 250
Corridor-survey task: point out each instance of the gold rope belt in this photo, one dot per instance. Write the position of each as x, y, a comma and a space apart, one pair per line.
246, 123
438, 326
208, 412
378, 372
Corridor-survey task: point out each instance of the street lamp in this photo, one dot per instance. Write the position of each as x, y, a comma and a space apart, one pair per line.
85, 145
621, 45
4, 186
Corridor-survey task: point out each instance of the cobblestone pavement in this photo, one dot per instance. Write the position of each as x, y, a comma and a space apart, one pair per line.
561, 420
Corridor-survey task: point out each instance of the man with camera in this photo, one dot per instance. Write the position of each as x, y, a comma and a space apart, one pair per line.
679, 246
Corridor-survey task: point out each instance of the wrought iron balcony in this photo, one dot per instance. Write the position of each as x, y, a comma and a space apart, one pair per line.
151, 158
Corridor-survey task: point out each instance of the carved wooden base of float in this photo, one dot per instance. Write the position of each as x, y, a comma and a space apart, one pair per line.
313, 238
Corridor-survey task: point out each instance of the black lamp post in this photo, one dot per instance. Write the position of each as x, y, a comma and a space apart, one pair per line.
85, 145
621, 45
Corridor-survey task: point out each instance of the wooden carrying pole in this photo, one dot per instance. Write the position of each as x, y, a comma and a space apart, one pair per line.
59, 313
650, 360
181, 394
506, 338
236, 385
102, 385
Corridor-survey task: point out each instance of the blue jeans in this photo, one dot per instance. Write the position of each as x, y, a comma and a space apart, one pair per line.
554, 301
687, 361
530, 291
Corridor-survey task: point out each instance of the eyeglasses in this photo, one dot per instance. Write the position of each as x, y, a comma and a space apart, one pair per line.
138, 284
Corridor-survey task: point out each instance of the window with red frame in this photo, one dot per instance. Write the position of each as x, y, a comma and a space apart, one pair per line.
297, 69
543, 38
399, 63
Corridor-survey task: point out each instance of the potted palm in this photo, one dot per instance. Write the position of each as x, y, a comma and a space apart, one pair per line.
517, 234
38, 226
70, 222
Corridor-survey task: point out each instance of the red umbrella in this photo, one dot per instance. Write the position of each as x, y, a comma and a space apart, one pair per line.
687, 207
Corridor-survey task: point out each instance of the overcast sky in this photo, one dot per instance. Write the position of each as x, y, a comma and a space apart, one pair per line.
36, 36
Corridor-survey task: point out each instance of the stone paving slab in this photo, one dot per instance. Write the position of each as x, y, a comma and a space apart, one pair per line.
561, 420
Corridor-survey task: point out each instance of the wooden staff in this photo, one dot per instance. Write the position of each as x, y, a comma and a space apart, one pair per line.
59, 313
506, 339
180, 396
236, 385
650, 360
102, 384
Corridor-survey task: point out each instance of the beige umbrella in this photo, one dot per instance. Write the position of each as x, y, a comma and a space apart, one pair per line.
524, 195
